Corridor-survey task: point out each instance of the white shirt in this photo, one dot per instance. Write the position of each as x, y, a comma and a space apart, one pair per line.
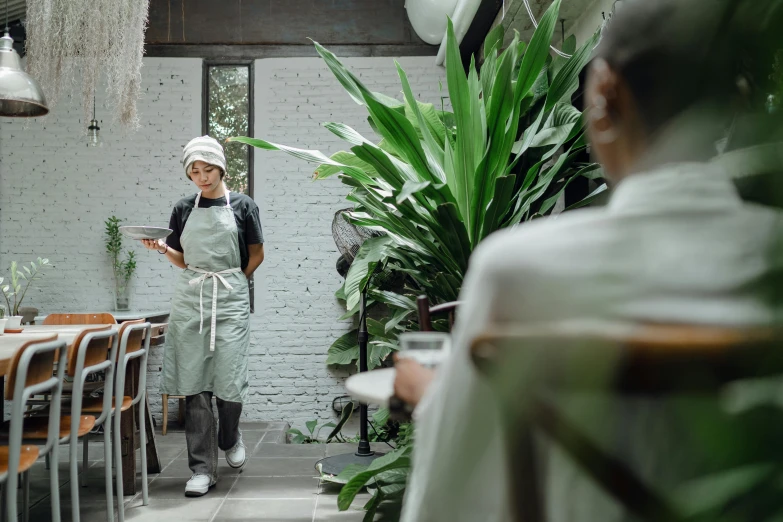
674, 245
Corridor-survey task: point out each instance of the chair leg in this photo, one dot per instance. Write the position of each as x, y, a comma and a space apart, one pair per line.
118, 473
26, 496
73, 462
143, 435
165, 413
54, 486
85, 464
107, 459
4, 504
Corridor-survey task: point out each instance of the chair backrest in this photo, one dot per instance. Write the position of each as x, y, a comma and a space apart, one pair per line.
135, 337
30, 373
134, 342
629, 359
39, 368
62, 319
426, 312
95, 352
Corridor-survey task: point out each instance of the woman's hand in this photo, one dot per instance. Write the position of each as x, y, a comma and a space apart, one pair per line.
153, 244
411, 380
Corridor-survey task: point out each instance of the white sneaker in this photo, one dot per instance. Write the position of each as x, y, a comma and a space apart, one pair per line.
198, 485
237, 456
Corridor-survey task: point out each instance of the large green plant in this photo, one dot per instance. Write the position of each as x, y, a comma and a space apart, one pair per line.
440, 182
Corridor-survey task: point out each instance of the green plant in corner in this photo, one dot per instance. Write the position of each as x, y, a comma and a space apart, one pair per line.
440, 182
123, 270
21, 280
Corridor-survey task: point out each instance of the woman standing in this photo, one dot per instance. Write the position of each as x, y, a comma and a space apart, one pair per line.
217, 241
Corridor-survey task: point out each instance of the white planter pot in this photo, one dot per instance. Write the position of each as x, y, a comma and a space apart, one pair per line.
429, 18
15, 321
2, 325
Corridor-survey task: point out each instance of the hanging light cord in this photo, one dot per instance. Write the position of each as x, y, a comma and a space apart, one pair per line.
6, 17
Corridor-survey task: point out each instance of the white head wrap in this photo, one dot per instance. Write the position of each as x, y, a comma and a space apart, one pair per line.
206, 149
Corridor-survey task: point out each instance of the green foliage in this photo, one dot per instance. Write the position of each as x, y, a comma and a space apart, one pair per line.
123, 270
21, 280
440, 182
229, 110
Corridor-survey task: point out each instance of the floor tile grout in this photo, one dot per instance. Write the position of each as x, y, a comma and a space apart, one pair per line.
224, 499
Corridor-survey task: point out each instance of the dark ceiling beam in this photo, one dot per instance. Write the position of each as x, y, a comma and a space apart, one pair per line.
255, 52
479, 27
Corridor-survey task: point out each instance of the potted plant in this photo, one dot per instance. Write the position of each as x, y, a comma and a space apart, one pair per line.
15, 293
123, 270
3, 320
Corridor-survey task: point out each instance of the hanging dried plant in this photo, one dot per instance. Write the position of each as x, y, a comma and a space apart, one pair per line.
73, 42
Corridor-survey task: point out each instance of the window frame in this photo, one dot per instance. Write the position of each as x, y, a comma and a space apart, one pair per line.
250, 123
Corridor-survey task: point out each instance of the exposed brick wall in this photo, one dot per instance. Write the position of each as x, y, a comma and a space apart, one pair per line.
55, 193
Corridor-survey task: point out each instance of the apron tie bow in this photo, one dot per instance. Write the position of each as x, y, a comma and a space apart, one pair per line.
205, 274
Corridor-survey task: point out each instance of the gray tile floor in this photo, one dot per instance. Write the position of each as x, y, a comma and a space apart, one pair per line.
279, 483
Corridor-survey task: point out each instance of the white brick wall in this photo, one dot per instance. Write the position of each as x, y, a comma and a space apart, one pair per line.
55, 193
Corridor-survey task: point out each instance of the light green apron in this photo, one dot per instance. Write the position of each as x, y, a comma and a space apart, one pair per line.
207, 349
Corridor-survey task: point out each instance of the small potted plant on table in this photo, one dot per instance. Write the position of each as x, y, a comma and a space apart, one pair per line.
15, 293
123, 270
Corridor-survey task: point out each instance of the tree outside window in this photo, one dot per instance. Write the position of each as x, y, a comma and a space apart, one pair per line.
228, 114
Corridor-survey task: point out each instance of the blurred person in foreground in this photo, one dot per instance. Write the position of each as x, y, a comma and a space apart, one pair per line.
693, 234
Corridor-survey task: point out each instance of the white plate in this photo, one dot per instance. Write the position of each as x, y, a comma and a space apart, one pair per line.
145, 232
374, 387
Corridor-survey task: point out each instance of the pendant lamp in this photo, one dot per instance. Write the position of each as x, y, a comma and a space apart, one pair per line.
20, 95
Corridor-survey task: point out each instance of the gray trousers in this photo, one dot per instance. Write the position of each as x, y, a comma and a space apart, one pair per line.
203, 437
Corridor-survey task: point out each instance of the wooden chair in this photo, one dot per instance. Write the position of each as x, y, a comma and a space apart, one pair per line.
648, 360
30, 373
426, 312
63, 319
93, 351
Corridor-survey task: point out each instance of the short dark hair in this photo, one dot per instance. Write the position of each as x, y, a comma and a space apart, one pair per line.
676, 53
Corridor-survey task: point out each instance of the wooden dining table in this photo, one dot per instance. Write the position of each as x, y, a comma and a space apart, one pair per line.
10, 343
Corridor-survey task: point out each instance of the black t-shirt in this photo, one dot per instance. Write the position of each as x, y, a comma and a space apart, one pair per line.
245, 212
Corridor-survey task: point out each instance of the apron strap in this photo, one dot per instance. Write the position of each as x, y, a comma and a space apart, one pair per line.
202, 279
228, 197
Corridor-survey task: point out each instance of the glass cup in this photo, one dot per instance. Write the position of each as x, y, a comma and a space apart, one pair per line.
426, 348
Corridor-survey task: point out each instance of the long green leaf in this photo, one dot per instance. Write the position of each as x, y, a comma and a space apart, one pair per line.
394, 299
367, 258
594, 195
344, 350
493, 41
312, 156
411, 188
558, 126
345, 132
430, 145
346, 414
568, 76
393, 460
537, 52
344, 158
349, 81
465, 157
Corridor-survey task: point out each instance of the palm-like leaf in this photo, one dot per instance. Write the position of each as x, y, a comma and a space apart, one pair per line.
438, 182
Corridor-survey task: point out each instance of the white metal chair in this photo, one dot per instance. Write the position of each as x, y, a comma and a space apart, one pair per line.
94, 350
134, 342
30, 374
